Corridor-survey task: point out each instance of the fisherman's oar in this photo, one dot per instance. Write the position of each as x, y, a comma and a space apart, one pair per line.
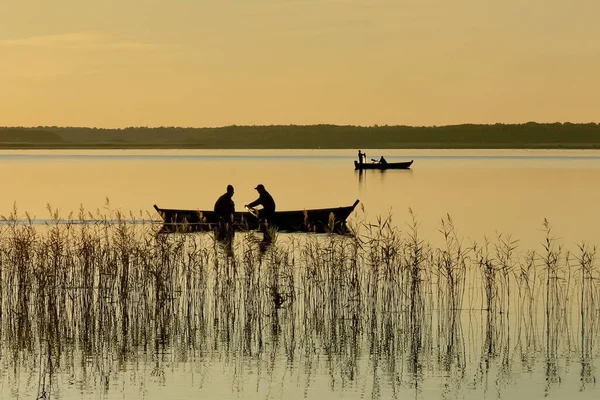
252, 211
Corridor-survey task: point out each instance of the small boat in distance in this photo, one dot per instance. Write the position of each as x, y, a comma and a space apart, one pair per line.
317, 220
382, 166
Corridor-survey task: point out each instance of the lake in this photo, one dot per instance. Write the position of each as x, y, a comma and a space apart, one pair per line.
484, 192
510, 327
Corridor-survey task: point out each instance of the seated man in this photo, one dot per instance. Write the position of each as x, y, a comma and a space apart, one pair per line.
382, 160
265, 200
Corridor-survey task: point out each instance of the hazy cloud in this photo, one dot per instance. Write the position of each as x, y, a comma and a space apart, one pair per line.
79, 40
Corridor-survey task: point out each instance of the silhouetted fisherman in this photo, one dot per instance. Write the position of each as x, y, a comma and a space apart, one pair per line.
225, 209
265, 215
360, 157
265, 200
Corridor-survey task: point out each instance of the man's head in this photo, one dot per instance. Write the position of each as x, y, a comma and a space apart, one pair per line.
260, 188
230, 190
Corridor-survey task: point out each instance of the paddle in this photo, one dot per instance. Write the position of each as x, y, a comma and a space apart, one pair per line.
252, 211
262, 224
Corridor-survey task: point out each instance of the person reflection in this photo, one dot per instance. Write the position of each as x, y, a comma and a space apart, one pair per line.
361, 177
226, 244
266, 242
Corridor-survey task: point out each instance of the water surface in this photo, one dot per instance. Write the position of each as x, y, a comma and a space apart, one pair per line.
485, 192
200, 323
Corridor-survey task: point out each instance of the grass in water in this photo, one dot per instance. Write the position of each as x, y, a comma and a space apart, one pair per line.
108, 288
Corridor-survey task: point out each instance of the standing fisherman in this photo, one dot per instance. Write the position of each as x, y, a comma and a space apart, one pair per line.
225, 209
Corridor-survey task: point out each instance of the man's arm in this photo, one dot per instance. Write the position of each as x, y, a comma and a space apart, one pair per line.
254, 203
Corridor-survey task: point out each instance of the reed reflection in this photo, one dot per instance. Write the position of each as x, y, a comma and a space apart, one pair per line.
99, 299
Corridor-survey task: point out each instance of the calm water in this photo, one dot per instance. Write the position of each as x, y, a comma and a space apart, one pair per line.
484, 192
298, 352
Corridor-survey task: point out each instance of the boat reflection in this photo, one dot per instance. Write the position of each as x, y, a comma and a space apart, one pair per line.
363, 175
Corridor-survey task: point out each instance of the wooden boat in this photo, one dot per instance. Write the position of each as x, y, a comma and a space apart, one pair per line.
398, 165
318, 220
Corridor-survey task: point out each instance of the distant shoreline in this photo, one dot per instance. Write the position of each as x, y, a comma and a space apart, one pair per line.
184, 147
468, 136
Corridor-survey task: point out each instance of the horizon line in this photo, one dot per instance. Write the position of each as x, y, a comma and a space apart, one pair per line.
297, 125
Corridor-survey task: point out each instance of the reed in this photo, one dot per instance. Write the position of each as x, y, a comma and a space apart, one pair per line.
108, 287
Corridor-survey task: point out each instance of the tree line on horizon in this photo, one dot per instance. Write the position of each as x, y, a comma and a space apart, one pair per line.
527, 135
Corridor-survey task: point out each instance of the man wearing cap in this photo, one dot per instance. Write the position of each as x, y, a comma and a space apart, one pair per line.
265, 200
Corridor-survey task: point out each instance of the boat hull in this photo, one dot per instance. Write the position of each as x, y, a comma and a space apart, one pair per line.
318, 221
400, 165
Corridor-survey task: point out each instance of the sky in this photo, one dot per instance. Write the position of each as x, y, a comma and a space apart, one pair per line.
202, 63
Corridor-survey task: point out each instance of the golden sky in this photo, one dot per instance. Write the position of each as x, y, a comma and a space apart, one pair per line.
118, 63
